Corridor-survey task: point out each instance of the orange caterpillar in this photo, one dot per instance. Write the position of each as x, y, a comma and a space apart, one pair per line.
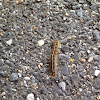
53, 58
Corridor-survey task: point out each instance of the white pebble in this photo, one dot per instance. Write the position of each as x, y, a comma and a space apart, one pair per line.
80, 89
19, 75
24, 67
88, 51
23, 58
41, 42
3, 93
25, 84
97, 72
37, 98
95, 48
9, 42
62, 85
26, 78
41, 64
0, 4
30, 96
90, 59
75, 30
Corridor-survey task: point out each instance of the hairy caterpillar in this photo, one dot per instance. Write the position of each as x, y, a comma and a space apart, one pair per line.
53, 58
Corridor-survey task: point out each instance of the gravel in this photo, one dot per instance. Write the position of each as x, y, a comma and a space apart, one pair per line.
27, 31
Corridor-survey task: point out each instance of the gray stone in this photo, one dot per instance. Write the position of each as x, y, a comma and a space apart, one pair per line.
58, 18
38, 6
95, 13
81, 1
99, 10
62, 85
1, 62
43, 91
64, 57
29, 29
78, 6
97, 34
43, 70
44, 61
82, 74
65, 70
64, 41
85, 6
97, 58
2, 73
93, 7
75, 79
8, 63
97, 83
79, 12
86, 98
1, 46
14, 77
64, 49
37, 24
48, 2
57, 89
43, 97
68, 98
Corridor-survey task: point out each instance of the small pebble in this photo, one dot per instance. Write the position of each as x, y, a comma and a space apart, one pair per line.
43, 91
37, 98
19, 1
90, 59
75, 79
35, 33
38, 0
5, 2
99, 10
9, 42
83, 60
48, 2
97, 83
88, 51
69, 38
65, 70
79, 12
94, 48
66, 14
39, 66
3, 93
98, 97
62, 85
19, 75
14, 77
27, 78
25, 84
30, 96
41, 42
78, 93
80, 89
97, 72
4, 97
97, 34
75, 30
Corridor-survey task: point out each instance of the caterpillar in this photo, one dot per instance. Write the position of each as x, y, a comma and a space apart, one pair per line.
53, 58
